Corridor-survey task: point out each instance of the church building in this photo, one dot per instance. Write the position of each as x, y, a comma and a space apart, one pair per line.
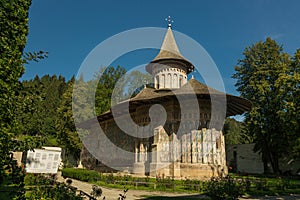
190, 142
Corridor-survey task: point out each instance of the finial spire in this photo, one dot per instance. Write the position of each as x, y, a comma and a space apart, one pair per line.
170, 21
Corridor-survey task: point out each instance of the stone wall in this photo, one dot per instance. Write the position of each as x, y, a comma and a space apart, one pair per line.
247, 161
199, 154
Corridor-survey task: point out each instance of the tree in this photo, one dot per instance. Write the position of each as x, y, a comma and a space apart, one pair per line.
263, 77
28, 108
13, 34
107, 80
234, 133
112, 86
136, 81
65, 126
290, 88
37, 104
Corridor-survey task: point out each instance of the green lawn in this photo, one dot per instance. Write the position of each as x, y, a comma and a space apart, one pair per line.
256, 185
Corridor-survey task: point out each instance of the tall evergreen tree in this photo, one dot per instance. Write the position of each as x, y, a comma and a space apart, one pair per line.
65, 126
39, 99
234, 133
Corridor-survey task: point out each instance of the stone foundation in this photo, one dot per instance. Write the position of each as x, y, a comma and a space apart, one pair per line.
138, 168
202, 171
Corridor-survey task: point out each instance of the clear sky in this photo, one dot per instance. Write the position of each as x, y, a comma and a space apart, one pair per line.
70, 29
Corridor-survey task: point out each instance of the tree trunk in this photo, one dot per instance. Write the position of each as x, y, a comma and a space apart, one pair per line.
265, 161
266, 169
275, 163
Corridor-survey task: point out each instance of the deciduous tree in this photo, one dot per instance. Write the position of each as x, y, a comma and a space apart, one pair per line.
266, 76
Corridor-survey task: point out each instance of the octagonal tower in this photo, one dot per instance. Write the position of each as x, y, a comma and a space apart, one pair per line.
169, 68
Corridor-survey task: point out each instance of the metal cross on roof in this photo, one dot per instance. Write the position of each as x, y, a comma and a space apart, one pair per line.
170, 21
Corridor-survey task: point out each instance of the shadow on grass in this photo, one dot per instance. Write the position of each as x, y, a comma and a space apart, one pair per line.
7, 194
189, 197
286, 197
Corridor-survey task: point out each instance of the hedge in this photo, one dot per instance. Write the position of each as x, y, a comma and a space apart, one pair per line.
81, 174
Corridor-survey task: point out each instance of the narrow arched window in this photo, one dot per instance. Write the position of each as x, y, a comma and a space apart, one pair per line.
169, 81
175, 81
163, 81
157, 82
180, 80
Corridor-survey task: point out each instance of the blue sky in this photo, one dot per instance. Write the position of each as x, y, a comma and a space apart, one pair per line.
69, 30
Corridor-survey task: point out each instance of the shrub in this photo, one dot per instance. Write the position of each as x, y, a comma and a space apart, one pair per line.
261, 185
283, 184
43, 187
110, 178
225, 188
37, 179
127, 178
96, 191
81, 174
69, 181
164, 183
56, 192
196, 185
142, 182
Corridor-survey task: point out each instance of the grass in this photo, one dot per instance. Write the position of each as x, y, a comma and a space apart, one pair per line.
271, 185
148, 187
258, 185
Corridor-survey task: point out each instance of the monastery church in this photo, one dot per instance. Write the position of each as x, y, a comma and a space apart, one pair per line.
190, 143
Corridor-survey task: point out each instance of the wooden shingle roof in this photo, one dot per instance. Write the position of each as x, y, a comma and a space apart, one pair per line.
169, 52
235, 105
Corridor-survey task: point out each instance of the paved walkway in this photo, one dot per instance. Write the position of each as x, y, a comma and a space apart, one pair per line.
113, 194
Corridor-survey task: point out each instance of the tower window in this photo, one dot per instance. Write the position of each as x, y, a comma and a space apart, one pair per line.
175, 81
180, 81
163, 81
169, 81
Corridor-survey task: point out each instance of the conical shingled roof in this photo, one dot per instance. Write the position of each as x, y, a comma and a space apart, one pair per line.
169, 48
169, 51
